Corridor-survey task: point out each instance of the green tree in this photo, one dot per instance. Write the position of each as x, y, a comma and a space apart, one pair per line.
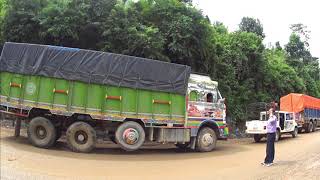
125, 34
91, 34
297, 51
20, 21
302, 31
62, 21
240, 68
300, 58
3, 7
249, 24
177, 32
278, 46
280, 78
186, 32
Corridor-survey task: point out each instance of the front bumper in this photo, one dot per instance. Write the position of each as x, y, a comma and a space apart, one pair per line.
224, 133
253, 131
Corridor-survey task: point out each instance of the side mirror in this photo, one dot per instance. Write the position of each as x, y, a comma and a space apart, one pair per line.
221, 100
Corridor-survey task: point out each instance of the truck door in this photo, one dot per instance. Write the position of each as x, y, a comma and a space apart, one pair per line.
289, 125
281, 120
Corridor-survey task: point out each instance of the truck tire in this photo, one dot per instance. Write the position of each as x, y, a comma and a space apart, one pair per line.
295, 132
278, 135
309, 128
314, 126
206, 140
41, 132
81, 137
257, 138
130, 136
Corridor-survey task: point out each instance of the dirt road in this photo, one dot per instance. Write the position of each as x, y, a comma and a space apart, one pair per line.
297, 158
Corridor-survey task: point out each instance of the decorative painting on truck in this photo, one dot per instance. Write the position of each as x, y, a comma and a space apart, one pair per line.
205, 104
205, 101
204, 109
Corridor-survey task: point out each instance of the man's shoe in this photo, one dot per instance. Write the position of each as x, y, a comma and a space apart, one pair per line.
269, 164
263, 163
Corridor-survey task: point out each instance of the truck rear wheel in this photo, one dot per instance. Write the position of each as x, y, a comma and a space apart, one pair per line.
41, 132
206, 140
130, 136
314, 126
257, 138
309, 128
81, 137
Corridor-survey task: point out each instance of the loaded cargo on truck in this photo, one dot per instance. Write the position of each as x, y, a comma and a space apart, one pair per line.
88, 94
306, 109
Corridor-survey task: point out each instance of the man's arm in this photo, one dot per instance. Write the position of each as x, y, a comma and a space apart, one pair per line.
272, 119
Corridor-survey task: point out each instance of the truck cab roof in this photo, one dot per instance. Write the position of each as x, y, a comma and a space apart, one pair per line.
201, 82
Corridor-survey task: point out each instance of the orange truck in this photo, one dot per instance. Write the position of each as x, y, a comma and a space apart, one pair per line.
305, 108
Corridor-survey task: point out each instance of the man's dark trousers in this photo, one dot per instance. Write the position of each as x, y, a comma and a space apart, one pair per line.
271, 137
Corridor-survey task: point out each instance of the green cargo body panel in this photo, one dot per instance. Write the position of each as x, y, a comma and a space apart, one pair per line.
100, 101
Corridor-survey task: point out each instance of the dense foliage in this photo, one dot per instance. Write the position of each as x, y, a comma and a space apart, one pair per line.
173, 31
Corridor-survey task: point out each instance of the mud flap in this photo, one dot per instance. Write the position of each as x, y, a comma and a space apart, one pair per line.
17, 127
193, 143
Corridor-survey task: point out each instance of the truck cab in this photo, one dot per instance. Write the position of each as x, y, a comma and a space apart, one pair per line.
286, 124
206, 105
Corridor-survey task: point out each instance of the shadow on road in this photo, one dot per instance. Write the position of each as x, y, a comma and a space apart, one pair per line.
150, 152
111, 151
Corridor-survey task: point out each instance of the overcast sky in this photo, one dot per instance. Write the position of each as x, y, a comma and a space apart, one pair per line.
275, 16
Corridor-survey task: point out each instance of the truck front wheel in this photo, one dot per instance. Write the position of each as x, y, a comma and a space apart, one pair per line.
130, 136
41, 132
206, 140
257, 138
295, 132
81, 137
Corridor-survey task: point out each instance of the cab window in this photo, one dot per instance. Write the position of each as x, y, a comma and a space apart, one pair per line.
193, 96
263, 117
209, 98
289, 116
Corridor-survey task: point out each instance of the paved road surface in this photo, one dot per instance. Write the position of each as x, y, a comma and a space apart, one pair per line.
297, 158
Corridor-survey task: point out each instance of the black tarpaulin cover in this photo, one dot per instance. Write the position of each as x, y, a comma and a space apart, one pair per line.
94, 67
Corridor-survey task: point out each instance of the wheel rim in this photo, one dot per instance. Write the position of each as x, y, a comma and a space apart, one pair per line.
81, 137
207, 139
41, 132
130, 136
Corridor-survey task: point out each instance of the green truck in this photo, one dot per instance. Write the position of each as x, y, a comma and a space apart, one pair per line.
86, 95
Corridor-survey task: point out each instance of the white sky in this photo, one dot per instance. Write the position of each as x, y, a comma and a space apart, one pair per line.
275, 16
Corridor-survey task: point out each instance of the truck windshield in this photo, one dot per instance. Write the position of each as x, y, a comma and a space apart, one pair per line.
205, 96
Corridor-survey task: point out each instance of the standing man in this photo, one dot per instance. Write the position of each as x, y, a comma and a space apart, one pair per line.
271, 137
